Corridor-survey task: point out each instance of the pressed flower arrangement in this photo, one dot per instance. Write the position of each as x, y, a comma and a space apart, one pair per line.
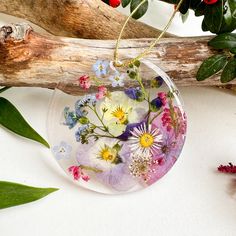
123, 134
127, 137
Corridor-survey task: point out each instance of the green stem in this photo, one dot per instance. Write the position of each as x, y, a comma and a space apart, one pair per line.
99, 127
149, 107
99, 118
173, 118
139, 79
155, 116
91, 169
99, 136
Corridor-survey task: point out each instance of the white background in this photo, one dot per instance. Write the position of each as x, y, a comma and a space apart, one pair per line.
192, 199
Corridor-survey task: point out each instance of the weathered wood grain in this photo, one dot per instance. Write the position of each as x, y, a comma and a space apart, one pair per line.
33, 60
77, 18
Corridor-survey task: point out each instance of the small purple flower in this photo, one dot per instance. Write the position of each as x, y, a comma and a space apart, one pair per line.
157, 82
62, 151
135, 94
70, 118
81, 130
129, 128
157, 103
117, 79
100, 68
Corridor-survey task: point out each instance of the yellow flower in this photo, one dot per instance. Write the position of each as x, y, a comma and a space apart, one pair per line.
145, 140
121, 115
108, 154
121, 110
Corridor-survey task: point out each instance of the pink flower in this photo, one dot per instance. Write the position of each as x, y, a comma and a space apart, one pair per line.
84, 82
102, 92
163, 97
174, 119
85, 178
77, 173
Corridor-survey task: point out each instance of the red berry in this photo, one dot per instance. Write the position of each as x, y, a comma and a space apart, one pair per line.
210, 2
114, 3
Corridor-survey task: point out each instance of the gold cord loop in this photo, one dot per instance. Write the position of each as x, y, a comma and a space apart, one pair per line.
146, 51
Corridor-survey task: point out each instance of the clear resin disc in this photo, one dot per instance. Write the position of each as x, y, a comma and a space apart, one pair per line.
117, 130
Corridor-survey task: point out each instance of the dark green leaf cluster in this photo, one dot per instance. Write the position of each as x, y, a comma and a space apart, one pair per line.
133, 4
225, 60
219, 16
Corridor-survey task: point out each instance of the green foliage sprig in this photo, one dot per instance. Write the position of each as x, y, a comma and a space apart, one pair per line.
225, 61
12, 194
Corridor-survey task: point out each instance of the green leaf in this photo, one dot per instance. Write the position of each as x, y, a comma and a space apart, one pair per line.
117, 147
13, 194
11, 119
184, 7
83, 120
233, 50
229, 20
204, 26
200, 9
125, 3
229, 72
4, 89
142, 9
223, 41
214, 16
211, 66
194, 4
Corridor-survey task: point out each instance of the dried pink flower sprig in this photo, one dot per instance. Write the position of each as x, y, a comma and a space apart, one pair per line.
230, 168
77, 173
173, 119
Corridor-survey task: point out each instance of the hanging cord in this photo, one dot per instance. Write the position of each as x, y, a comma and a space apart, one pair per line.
146, 51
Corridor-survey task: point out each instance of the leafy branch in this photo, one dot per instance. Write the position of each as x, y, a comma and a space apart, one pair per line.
225, 61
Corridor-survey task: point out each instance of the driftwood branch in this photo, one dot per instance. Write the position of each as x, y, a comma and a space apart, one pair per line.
33, 60
77, 18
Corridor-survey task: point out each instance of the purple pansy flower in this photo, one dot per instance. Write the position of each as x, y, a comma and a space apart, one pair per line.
115, 176
129, 128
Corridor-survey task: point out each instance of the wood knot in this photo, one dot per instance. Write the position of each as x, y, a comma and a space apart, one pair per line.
14, 32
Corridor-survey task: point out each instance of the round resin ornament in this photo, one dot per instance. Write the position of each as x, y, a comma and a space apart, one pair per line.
117, 129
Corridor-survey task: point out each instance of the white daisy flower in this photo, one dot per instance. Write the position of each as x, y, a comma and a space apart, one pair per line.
145, 140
